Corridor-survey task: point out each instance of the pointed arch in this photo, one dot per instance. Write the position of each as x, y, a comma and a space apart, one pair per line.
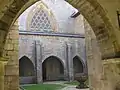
53, 69
26, 71
26, 67
78, 65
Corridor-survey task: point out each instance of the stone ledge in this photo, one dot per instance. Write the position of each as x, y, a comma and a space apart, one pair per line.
111, 61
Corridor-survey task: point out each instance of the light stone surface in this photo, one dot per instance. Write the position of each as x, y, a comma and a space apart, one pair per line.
53, 45
101, 15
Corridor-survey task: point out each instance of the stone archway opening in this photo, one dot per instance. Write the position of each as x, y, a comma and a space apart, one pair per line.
93, 12
78, 67
26, 71
53, 69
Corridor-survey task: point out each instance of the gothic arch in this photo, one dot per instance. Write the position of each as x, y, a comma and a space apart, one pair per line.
57, 57
78, 62
53, 68
26, 67
97, 14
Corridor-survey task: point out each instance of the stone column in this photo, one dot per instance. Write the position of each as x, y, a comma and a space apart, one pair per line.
66, 64
2, 72
38, 58
94, 60
70, 63
1, 76
10, 51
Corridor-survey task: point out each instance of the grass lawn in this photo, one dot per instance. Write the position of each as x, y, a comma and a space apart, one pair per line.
44, 87
72, 83
76, 83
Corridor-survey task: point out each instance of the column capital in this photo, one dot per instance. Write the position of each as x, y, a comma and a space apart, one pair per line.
37, 42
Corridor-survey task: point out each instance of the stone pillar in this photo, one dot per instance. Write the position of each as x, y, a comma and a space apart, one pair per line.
94, 60
66, 71
1, 76
70, 63
11, 79
38, 58
111, 68
2, 72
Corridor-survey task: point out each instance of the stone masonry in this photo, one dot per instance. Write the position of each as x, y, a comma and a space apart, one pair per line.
64, 48
106, 72
11, 52
101, 15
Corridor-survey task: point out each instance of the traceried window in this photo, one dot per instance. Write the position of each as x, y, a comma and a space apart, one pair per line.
40, 22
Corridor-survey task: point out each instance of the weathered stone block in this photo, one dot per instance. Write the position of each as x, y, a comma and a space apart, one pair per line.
12, 70
111, 68
11, 82
16, 47
9, 47
15, 41
14, 27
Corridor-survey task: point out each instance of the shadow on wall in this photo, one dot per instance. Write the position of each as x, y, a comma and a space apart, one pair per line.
78, 66
53, 69
26, 71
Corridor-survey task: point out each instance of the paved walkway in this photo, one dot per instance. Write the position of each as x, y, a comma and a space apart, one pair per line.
72, 87
68, 87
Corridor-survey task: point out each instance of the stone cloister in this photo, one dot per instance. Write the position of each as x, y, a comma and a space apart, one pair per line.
51, 41
102, 48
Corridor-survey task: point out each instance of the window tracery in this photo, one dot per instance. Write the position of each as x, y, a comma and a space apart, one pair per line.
40, 21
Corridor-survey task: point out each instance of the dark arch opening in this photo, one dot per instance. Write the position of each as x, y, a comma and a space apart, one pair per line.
77, 66
53, 69
26, 70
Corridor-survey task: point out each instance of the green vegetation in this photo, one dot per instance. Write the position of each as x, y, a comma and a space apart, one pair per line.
44, 87
72, 83
76, 83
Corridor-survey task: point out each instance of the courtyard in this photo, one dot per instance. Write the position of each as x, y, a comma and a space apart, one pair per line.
54, 40
56, 85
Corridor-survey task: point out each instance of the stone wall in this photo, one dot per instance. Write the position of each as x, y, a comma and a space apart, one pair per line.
103, 74
11, 52
101, 14
53, 46
62, 23
111, 78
